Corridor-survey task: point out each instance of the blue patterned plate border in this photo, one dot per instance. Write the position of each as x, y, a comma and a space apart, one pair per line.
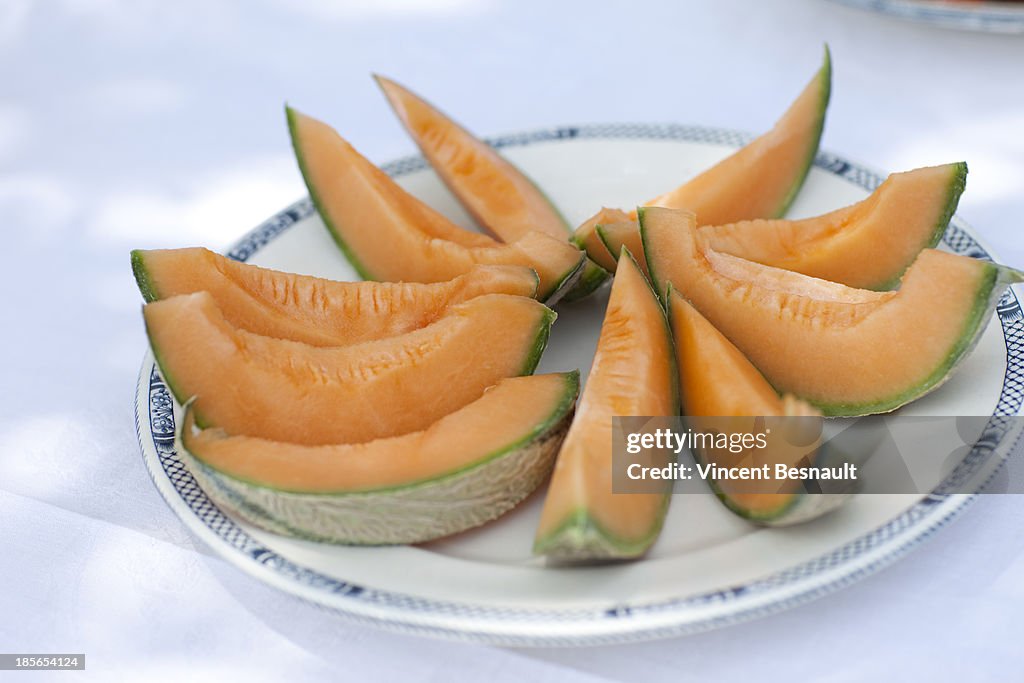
155, 427
989, 17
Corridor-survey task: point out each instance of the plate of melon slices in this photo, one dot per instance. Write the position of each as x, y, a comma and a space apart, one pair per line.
395, 398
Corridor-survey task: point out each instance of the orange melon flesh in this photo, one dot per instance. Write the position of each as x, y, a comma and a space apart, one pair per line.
387, 234
587, 238
845, 350
632, 374
496, 193
626, 234
867, 245
716, 380
759, 180
314, 310
512, 410
285, 390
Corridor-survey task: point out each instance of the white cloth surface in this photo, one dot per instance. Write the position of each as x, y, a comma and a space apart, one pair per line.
127, 123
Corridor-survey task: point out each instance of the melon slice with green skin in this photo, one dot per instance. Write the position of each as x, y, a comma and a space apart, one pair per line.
633, 374
716, 381
866, 245
847, 351
760, 180
285, 390
587, 238
626, 234
501, 198
469, 467
315, 310
387, 234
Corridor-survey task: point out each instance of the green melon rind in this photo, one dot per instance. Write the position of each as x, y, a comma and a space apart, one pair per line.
673, 366
581, 538
652, 274
824, 77
994, 282
540, 342
599, 229
417, 512
956, 187
565, 285
592, 277
142, 277
364, 273
799, 506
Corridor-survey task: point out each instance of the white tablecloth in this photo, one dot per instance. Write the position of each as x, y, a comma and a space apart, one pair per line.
129, 123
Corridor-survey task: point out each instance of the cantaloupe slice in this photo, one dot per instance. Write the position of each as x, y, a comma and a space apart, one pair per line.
587, 238
633, 374
615, 236
314, 310
284, 390
387, 234
501, 198
760, 180
716, 381
867, 245
467, 468
847, 351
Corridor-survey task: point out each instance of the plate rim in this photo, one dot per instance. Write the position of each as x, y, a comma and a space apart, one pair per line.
796, 585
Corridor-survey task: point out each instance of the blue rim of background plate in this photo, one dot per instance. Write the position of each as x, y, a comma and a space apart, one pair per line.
990, 17
484, 624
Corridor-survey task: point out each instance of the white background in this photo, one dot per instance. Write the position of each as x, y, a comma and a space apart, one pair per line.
149, 123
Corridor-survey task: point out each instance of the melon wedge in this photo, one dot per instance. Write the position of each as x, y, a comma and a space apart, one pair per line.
847, 351
288, 391
717, 381
466, 469
501, 198
314, 310
615, 236
387, 234
867, 245
633, 374
587, 238
760, 180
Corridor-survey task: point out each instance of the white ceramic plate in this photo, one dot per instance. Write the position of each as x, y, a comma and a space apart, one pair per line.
990, 17
709, 568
